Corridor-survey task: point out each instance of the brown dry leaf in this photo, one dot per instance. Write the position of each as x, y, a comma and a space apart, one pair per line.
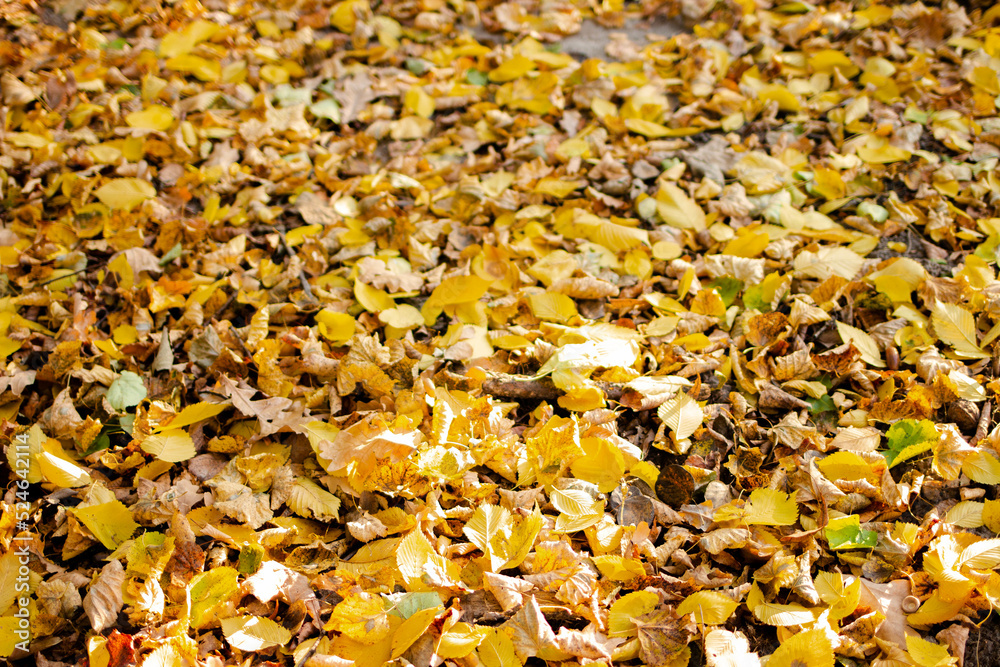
104, 597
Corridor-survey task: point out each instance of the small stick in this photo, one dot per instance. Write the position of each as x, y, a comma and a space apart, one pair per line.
985, 417
306, 288
222, 310
538, 388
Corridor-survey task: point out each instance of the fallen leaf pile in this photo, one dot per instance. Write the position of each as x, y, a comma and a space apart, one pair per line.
389, 333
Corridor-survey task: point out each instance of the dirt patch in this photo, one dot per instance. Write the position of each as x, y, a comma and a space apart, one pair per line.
983, 647
593, 39
915, 250
763, 639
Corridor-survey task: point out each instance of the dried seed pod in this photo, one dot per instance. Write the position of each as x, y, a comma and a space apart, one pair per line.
964, 414
910, 604
892, 357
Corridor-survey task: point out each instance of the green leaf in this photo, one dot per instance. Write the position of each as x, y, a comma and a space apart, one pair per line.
822, 404
417, 66
908, 438
102, 442
753, 299
208, 590
326, 108
251, 556
845, 533
728, 288
126, 392
476, 78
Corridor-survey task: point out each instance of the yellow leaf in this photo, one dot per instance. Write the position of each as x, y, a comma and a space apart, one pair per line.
173, 445
254, 633
574, 502
557, 187
983, 555
490, 525
111, 523
344, 15
125, 193
624, 611
497, 650
991, 515
708, 607
205, 70
181, 42
8, 346
403, 316
682, 415
966, 514
511, 69
955, 326
775, 92
459, 640
602, 463
27, 140
577, 223
783, 615
192, 414
982, 467
828, 183
412, 629
9, 564
770, 507
747, 245
935, 610
846, 465
898, 279
453, 291
877, 150
415, 556
361, 617
865, 343
522, 538
299, 235
811, 647
617, 568
338, 327
678, 210
417, 101
373, 300
843, 600
207, 591
155, 117
927, 654
827, 262
551, 451
58, 468
647, 128
552, 306
10, 626
555, 266
258, 331
308, 499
